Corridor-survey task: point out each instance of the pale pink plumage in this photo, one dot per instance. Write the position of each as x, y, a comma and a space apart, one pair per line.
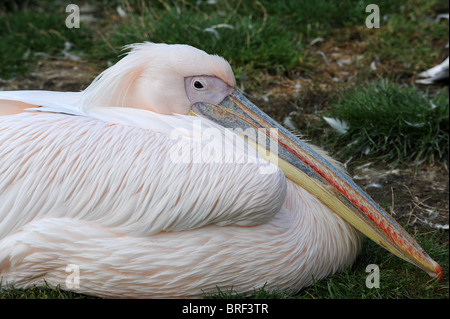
99, 190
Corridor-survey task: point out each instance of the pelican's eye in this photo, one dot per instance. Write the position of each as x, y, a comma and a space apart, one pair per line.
198, 85
206, 89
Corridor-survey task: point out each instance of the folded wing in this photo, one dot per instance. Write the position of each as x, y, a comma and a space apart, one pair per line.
128, 178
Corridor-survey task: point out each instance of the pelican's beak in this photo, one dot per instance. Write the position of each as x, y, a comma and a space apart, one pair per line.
304, 166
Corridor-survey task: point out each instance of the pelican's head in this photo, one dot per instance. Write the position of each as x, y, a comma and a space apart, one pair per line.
163, 78
181, 79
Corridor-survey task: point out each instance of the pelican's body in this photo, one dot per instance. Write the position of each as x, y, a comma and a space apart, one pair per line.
99, 199
95, 196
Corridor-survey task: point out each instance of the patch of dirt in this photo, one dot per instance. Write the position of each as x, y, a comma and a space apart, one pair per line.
415, 198
54, 74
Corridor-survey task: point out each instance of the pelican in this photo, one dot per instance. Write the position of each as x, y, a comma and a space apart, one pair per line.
151, 184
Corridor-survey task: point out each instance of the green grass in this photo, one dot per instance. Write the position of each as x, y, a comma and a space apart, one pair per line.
242, 39
393, 122
255, 36
39, 293
28, 36
258, 293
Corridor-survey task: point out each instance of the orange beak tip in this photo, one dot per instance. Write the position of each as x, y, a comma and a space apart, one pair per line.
439, 273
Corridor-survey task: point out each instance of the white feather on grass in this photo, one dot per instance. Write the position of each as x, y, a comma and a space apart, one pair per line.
339, 125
